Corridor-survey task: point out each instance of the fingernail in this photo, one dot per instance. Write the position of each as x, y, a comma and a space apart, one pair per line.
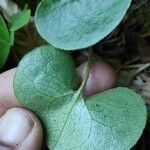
15, 126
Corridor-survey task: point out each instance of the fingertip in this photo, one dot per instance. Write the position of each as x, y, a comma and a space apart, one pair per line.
20, 129
35, 138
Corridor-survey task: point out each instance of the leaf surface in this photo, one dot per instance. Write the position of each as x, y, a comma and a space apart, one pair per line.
20, 19
4, 42
71, 25
45, 82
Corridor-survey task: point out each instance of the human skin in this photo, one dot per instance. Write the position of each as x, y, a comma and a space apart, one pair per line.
20, 129
102, 77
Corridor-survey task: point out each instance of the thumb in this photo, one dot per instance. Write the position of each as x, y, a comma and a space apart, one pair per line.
20, 130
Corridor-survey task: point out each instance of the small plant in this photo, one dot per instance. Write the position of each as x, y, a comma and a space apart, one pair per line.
16, 21
46, 80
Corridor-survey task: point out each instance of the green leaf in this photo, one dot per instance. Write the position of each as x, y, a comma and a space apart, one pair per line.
45, 82
4, 42
72, 25
20, 19
4, 36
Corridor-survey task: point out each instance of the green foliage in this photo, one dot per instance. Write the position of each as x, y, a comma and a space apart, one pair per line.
46, 79
4, 42
20, 19
72, 25
45, 82
7, 35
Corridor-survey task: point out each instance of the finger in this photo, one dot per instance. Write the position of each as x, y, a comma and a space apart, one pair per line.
20, 130
101, 77
7, 96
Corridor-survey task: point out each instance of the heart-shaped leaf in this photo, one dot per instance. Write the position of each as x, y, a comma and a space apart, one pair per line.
45, 81
71, 25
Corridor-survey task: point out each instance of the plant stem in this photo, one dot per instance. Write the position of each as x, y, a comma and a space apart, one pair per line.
133, 66
86, 76
81, 89
131, 61
143, 67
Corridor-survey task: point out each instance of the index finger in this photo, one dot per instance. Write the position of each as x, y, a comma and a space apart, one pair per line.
7, 96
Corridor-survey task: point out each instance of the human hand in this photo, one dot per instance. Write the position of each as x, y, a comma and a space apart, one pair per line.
19, 128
